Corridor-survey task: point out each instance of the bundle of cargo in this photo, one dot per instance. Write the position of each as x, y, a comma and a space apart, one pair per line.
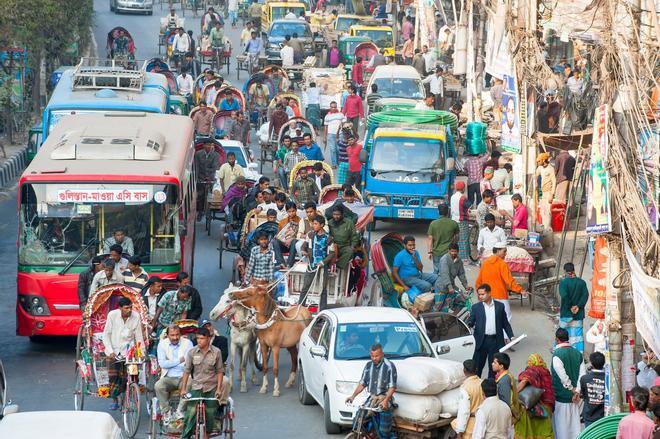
475, 138
330, 83
426, 388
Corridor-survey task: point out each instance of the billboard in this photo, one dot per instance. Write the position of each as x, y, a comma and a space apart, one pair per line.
511, 119
598, 187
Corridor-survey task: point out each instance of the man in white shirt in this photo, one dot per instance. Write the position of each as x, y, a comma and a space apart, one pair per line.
213, 93
429, 59
268, 201
290, 15
490, 236
471, 397
185, 82
575, 83
436, 86
493, 418
123, 329
171, 358
332, 122
286, 52
181, 43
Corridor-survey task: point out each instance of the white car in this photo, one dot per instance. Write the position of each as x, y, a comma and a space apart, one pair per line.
335, 347
244, 157
396, 81
60, 425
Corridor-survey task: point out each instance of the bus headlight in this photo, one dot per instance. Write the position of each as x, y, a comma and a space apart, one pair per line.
434, 202
34, 305
377, 200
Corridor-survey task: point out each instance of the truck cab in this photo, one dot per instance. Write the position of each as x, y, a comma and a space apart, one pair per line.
272, 11
381, 35
409, 170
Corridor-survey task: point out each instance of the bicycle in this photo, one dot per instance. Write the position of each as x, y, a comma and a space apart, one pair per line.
200, 420
131, 399
365, 424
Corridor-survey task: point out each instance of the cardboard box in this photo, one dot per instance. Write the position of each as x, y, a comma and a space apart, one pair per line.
424, 302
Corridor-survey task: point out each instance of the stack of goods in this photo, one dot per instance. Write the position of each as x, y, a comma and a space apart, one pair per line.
475, 138
427, 389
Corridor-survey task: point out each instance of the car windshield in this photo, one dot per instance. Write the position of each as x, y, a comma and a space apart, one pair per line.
382, 38
411, 160
345, 23
280, 12
399, 340
69, 222
283, 29
240, 158
389, 87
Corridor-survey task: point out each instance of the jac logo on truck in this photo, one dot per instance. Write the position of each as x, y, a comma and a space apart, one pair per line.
407, 179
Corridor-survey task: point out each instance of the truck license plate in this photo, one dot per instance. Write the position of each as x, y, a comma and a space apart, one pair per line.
406, 213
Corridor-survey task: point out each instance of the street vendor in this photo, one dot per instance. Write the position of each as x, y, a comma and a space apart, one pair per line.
379, 378
122, 329
519, 218
344, 234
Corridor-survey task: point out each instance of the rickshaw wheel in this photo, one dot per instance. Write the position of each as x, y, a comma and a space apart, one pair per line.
472, 239
132, 410
221, 245
351, 435
228, 424
155, 426
79, 343
78, 392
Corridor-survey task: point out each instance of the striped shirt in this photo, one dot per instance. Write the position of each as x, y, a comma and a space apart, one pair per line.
135, 282
291, 159
378, 378
371, 100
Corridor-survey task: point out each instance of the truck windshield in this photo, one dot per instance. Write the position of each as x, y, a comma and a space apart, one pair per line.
281, 30
399, 87
399, 340
381, 38
280, 12
344, 23
410, 160
57, 220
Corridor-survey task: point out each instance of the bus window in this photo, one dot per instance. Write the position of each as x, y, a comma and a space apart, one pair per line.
58, 221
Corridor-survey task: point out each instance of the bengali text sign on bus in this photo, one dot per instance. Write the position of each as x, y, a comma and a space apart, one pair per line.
128, 195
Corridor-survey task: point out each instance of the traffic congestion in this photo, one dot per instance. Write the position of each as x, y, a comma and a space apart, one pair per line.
311, 219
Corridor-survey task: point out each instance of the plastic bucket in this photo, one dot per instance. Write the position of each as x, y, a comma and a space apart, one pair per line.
558, 211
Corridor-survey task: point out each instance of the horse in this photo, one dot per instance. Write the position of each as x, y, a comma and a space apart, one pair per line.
242, 335
276, 328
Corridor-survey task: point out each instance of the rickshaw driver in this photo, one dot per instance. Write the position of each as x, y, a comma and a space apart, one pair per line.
204, 365
122, 329
379, 378
121, 44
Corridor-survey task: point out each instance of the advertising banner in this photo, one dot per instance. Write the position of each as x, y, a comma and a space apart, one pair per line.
511, 119
599, 279
598, 188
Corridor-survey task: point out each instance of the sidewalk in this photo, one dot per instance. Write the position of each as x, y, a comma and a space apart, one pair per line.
12, 166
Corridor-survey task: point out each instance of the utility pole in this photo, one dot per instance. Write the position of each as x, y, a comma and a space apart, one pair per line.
470, 69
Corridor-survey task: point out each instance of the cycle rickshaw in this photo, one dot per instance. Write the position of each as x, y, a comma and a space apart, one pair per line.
94, 369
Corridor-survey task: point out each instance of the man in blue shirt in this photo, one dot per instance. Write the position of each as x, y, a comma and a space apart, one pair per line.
229, 103
171, 358
407, 269
311, 149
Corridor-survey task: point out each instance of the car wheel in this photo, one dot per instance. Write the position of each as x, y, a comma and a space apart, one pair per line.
330, 427
303, 396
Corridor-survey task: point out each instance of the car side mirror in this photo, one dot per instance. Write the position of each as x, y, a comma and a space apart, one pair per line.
318, 351
442, 349
9, 409
450, 164
364, 155
183, 230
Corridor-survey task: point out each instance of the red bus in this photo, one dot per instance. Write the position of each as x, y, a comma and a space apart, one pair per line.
94, 175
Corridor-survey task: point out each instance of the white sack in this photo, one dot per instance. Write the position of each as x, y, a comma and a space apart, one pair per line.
418, 408
428, 376
449, 401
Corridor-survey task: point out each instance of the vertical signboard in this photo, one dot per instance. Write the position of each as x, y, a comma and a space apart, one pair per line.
598, 187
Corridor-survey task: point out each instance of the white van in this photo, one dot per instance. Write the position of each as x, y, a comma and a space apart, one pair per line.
395, 81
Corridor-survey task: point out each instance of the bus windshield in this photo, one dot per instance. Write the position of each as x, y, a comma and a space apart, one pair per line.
411, 160
61, 223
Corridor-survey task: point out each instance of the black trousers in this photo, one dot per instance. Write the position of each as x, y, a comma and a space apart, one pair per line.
474, 191
486, 352
309, 278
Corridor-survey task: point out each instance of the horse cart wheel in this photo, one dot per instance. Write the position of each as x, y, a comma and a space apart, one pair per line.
131, 410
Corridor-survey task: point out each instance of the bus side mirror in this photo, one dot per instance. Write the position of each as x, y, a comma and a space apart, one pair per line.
364, 155
450, 164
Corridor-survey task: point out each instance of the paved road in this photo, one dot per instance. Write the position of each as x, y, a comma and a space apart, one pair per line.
41, 374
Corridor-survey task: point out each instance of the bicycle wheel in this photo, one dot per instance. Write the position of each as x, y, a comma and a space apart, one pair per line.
79, 391
472, 239
131, 409
200, 424
154, 429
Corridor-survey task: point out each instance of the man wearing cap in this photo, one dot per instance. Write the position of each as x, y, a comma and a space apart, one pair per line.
436, 86
548, 185
459, 205
573, 295
496, 273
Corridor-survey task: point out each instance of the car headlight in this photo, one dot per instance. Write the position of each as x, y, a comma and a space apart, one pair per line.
377, 200
34, 305
434, 202
346, 387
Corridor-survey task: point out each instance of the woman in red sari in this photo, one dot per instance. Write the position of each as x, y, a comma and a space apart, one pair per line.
538, 422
